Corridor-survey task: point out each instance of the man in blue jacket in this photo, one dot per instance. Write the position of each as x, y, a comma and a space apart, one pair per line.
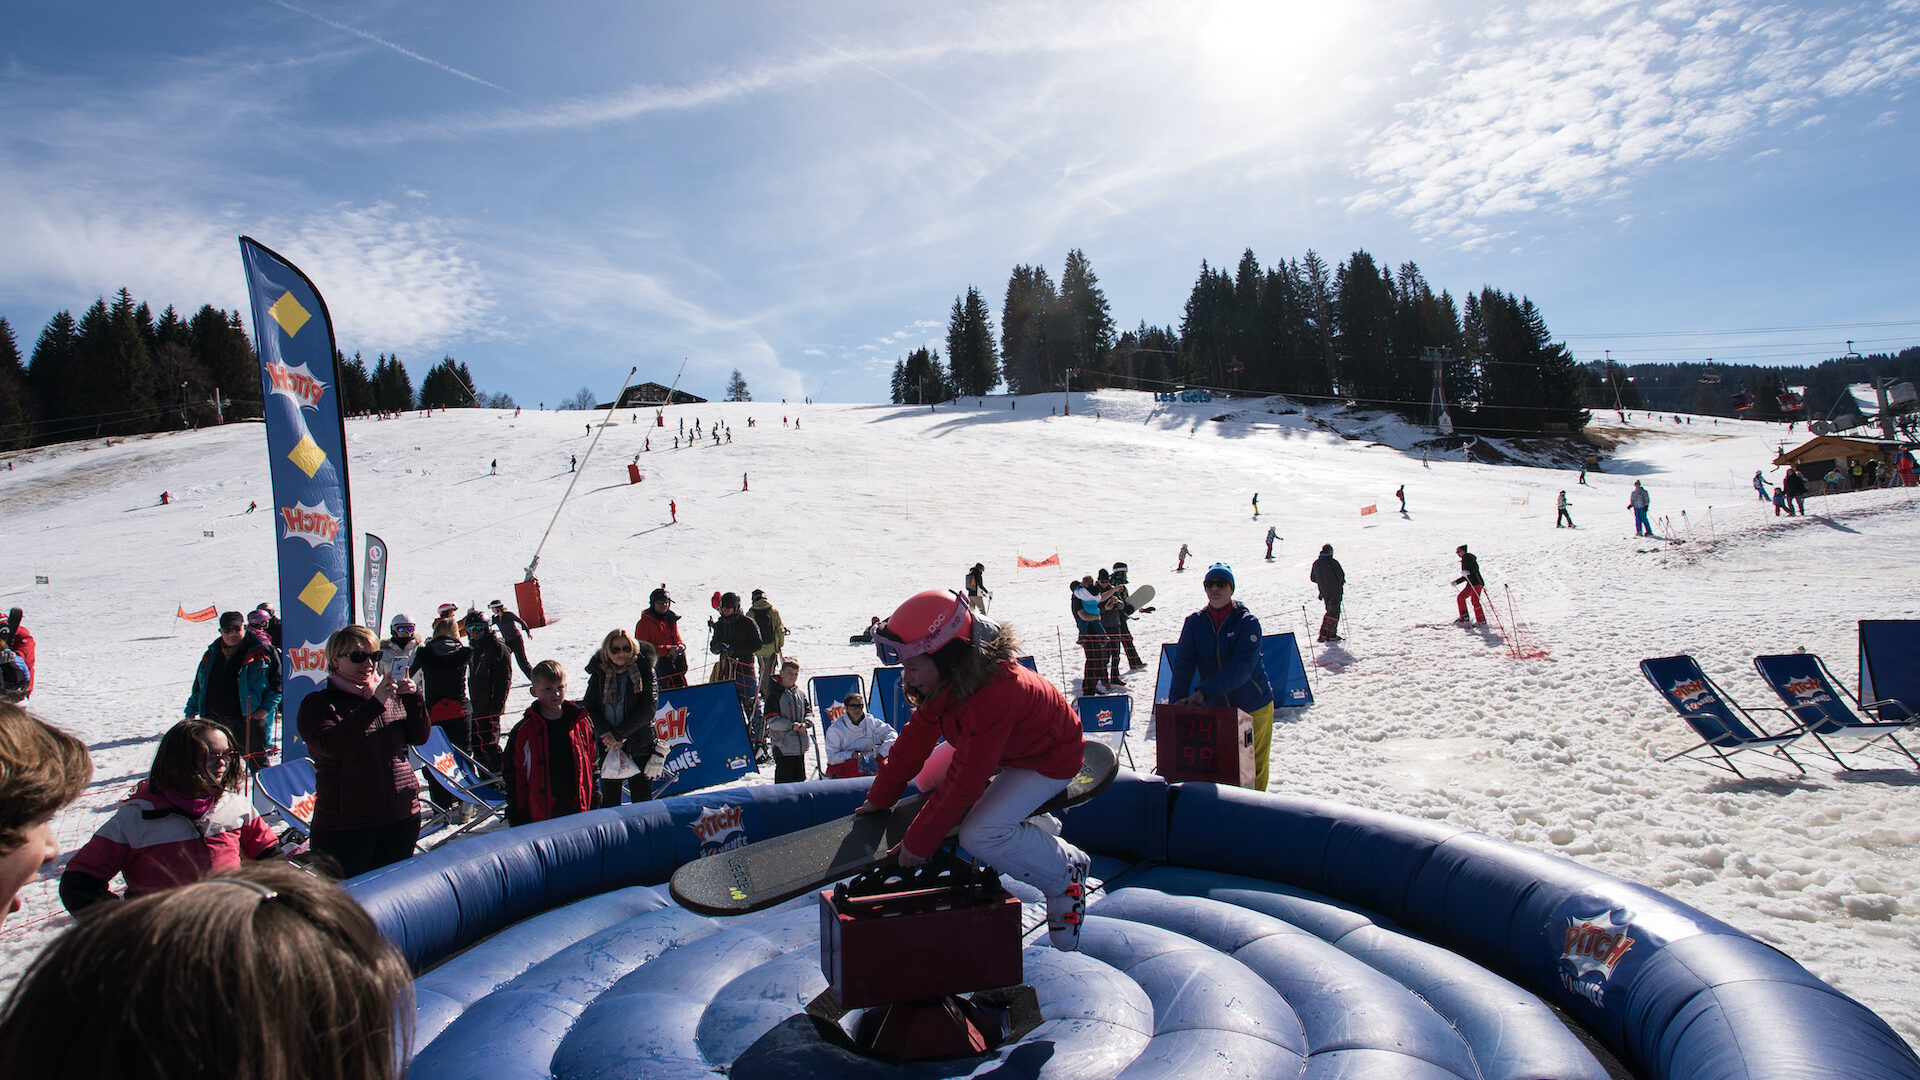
1221, 644
238, 684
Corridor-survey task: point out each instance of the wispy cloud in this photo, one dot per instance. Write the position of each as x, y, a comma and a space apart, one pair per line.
1563, 103
385, 44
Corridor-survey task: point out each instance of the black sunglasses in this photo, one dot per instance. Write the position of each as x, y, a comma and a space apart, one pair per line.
359, 657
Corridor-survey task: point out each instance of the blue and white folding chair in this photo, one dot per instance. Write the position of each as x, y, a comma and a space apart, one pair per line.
1107, 715
1813, 695
285, 791
889, 698
1890, 666
829, 694
1724, 727
468, 782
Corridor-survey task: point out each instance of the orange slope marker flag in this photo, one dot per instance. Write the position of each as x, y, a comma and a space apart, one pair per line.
1373, 509
1051, 560
197, 616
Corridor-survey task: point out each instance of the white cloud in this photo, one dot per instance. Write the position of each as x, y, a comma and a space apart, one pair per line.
1557, 104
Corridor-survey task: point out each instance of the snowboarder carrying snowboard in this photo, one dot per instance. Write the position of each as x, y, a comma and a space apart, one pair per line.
960, 674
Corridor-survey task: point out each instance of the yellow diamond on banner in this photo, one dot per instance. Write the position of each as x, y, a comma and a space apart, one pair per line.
289, 314
318, 594
307, 455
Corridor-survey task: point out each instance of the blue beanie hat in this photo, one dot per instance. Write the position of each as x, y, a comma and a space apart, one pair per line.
1220, 570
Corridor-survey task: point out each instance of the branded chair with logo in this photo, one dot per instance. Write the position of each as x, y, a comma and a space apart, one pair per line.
285, 791
1814, 696
1723, 726
470, 783
1110, 715
829, 693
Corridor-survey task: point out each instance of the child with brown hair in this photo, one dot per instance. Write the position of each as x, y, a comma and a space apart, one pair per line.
41, 770
550, 753
189, 818
264, 971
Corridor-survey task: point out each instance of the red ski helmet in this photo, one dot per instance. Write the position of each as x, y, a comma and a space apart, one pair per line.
925, 622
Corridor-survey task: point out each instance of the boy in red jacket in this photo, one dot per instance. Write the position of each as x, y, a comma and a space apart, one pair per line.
960, 674
550, 754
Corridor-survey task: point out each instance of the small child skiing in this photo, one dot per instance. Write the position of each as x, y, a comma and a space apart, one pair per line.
1182, 567
960, 673
1272, 535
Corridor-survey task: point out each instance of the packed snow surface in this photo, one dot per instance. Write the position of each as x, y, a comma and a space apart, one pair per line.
1539, 730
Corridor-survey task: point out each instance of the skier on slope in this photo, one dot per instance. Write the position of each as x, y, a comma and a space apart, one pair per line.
1476, 586
1272, 535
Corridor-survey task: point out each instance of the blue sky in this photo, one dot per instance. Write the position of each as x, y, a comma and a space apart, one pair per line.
554, 193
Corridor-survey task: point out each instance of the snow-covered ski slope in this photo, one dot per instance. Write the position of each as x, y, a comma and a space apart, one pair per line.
862, 505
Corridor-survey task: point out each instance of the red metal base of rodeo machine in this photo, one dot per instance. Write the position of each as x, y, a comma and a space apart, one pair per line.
904, 945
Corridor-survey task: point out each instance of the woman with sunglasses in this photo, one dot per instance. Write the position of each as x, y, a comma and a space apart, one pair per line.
366, 810
189, 818
620, 700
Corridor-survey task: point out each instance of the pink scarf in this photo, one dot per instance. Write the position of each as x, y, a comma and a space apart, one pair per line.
360, 689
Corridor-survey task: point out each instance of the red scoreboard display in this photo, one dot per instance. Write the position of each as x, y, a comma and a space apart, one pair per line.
1208, 743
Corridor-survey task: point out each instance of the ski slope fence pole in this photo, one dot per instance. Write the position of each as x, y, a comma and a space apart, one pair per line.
1060, 654
581, 471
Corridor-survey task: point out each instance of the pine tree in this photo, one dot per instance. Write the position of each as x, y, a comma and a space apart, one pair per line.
922, 380
737, 387
1363, 308
52, 377
126, 392
971, 357
16, 419
1088, 323
356, 385
1024, 321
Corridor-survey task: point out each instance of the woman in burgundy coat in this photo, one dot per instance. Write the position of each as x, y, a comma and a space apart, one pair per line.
366, 810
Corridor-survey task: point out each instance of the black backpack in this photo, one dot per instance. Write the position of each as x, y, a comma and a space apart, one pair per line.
763, 618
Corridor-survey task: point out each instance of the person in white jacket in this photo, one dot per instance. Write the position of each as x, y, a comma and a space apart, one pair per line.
856, 742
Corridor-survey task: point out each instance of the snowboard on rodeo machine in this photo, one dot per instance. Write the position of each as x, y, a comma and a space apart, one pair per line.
762, 874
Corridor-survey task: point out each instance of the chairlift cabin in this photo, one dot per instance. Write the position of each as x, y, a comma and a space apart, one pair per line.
1742, 401
1709, 378
1790, 402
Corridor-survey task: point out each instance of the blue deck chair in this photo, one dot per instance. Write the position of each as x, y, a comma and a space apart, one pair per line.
1108, 714
889, 697
466, 780
1890, 666
285, 791
1723, 726
829, 694
1814, 696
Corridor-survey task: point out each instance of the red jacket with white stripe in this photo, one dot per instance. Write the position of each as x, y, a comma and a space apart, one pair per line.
156, 845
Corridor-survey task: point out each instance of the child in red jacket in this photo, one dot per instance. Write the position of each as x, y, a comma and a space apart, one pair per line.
188, 819
960, 673
550, 753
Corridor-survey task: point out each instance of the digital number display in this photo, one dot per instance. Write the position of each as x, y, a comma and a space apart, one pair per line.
1193, 740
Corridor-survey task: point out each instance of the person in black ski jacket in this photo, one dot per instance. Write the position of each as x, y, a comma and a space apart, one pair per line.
1331, 578
513, 632
736, 638
489, 675
441, 664
620, 700
1475, 586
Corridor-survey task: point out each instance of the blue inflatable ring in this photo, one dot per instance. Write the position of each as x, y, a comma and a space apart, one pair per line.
1235, 934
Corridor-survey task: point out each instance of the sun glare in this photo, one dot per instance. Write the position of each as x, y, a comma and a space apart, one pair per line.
1250, 48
